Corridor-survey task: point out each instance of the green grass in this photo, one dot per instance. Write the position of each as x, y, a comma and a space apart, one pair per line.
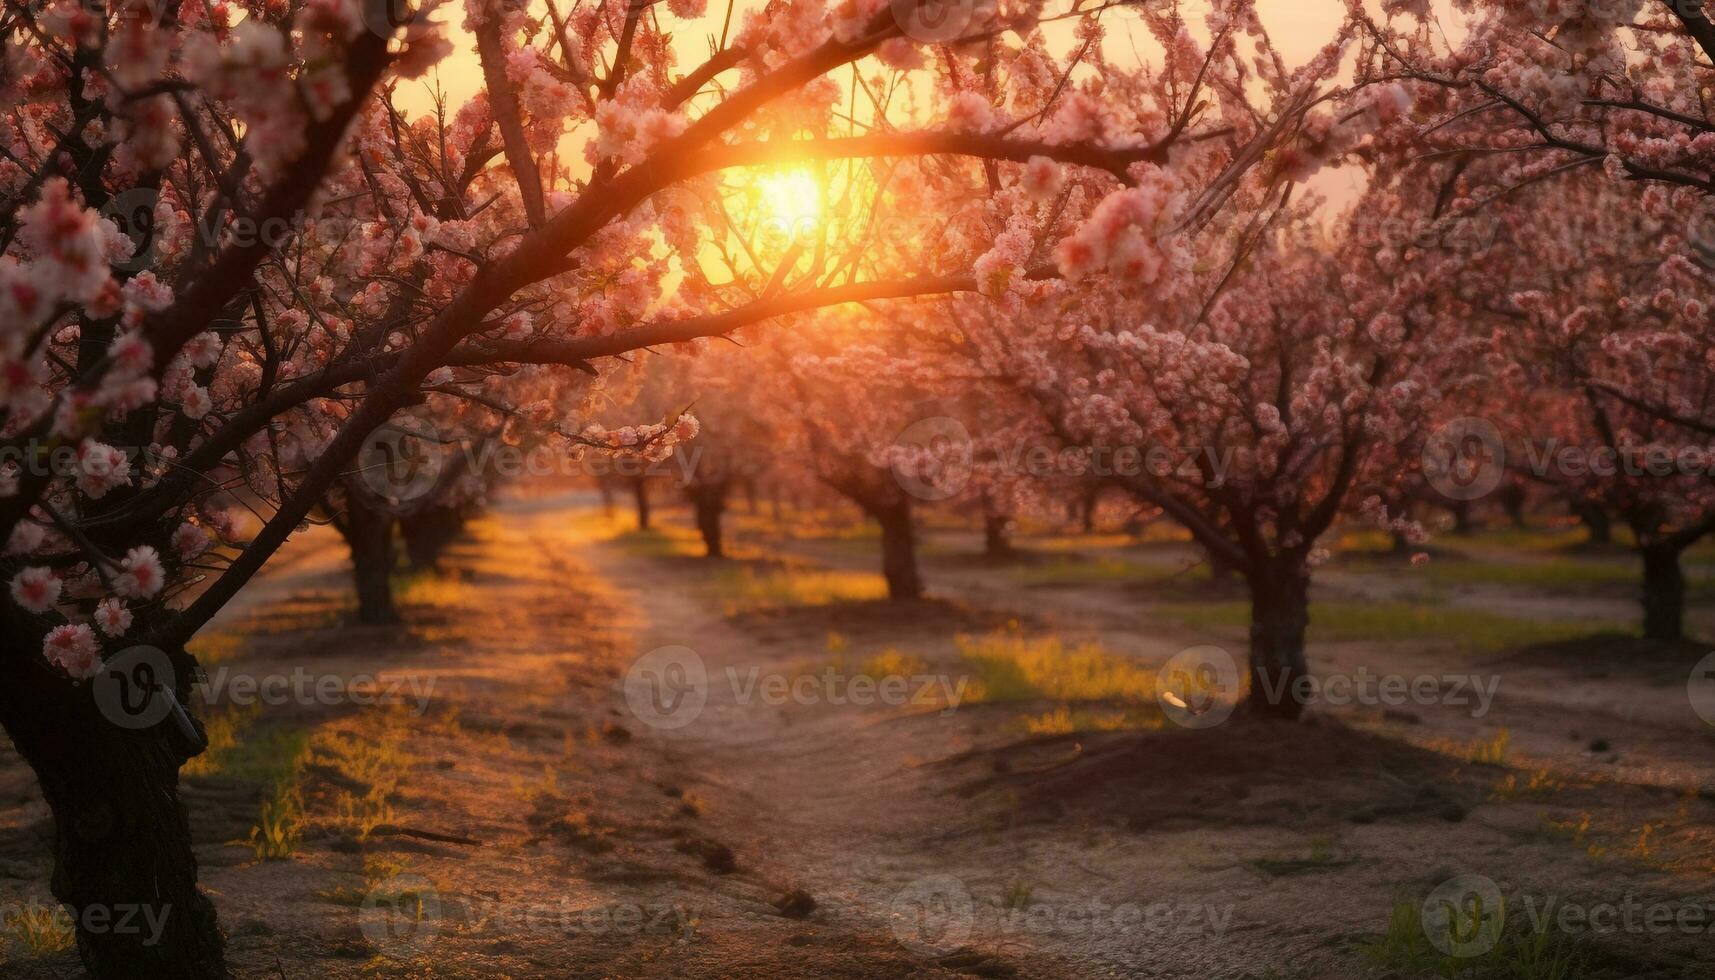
1519, 953
1013, 667
660, 542
280, 825
745, 588
1070, 571
1096, 689
40, 930
1353, 620
1559, 574
275, 759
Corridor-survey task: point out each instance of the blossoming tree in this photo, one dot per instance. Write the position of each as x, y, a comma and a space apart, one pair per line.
230, 261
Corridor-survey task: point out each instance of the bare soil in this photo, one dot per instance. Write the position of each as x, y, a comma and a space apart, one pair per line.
532, 825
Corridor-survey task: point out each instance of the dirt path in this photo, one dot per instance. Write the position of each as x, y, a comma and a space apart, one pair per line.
529, 806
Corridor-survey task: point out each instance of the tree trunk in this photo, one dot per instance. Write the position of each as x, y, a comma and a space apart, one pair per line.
428, 532
709, 501
1513, 500
606, 490
123, 863
1220, 570
1664, 593
898, 550
1595, 517
368, 532
1461, 510
1280, 613
640, 493
996, 543
1092, 497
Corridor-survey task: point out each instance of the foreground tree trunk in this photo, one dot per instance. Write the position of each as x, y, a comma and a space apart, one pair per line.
1280, 614
898, 549
640, 494
428, 532
368, 531
1664, 592
123, 862
709, 502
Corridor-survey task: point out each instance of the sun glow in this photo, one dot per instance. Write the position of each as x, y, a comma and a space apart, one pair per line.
790, 203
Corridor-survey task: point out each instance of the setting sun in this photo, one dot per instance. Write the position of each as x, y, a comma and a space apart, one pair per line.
789, 202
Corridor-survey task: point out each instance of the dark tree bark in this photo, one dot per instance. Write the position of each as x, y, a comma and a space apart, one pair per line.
640, 494
1461, 511
1595, 518
1512, 499
1092, 497
428, 532
1280, 614
368, 532
123, 862
606, 490
1221, 571
708, 499
1664, 592
996, 543
898, 549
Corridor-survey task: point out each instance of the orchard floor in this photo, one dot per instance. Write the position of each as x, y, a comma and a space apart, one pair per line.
1051, 823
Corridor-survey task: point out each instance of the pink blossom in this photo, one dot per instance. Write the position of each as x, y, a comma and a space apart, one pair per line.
112, 618
73, 649
101, 468
36, 589
141, 574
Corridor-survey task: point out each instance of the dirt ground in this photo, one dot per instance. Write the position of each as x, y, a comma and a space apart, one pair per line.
539, 802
